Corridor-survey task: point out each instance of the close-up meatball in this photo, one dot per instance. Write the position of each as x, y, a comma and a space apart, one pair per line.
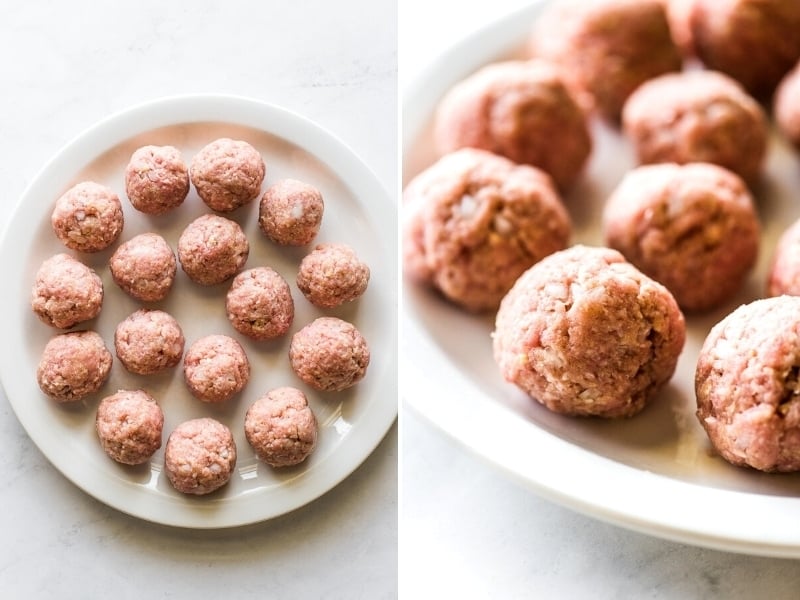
212, 249
329, 354
607, 48
331, 275
521, 110
753, 41
88, 217
129, 425
290, 212
692, 227
259, 304
144, 267
585, 333
156, 179
784, 270
786, 106
66, 292
227, 174
746, 384
473, 222
200, 456
281, 427
216, 368
148, 342
73, 365
697, 116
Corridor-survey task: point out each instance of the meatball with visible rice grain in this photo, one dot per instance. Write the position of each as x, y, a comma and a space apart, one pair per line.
129, 425
281, 428
88, 217
66, 292
73, 365
200, 456
584, 333
290, 212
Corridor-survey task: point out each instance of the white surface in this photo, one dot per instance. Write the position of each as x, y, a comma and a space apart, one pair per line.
68, 65
351, 423
433, 528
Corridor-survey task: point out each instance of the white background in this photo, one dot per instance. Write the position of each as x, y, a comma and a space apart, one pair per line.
467, 531
64, 66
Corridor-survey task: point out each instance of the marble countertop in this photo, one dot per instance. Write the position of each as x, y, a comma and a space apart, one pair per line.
67, 65
470, 531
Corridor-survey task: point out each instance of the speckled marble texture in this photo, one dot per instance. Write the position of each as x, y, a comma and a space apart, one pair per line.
66, 65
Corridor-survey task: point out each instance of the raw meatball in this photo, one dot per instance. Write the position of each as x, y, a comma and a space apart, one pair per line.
473, 222
784, 272
227, 174
607, 48
129, 425
259, 304
746, 383
144, 267
200, 456
88, 217
212, 249
216, 368
149, 341
290, 212
281, 427
73, 365
585, 333
693, 228
66, 292
787, 107
520, 110
329, 354
697, 116
156, 179
754, 41
331, 275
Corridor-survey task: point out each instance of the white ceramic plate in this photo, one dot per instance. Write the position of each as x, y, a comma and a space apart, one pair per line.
358, 211
654, 473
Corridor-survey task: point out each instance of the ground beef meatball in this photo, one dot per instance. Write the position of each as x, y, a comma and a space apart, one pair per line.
607, 48
521, 110
786, 108
88, 217
329, 354
259, 304
290, 212
156, 179
129, 425
73, 365
281, 427
66, 292
331, 275
216, 368
212, 249
149, 341
200, 456
747, 385
693, 228
784, 272
144, 267
227, 174
585, 333
697, 116
754, 41
473, 222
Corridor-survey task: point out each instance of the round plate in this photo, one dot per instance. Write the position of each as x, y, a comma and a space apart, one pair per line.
351, 423
655, 472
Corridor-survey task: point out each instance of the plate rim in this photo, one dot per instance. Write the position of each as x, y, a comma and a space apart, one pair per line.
328, 149
651, 508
